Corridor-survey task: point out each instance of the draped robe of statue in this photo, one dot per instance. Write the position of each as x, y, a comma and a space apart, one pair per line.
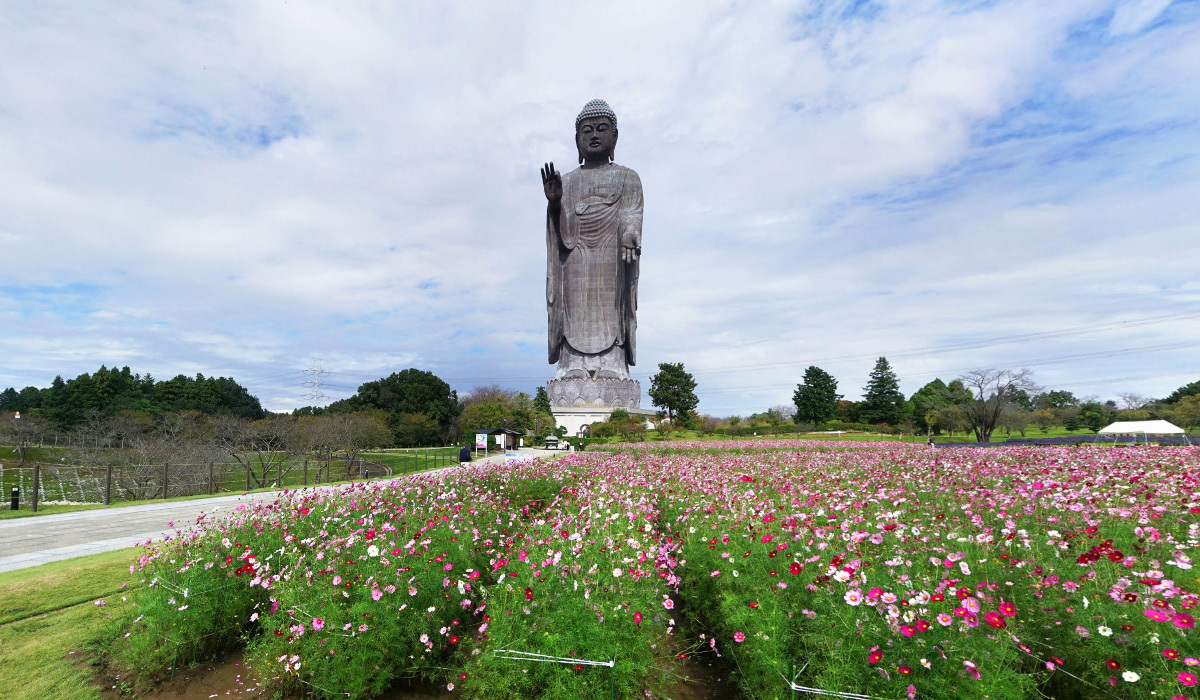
591, 294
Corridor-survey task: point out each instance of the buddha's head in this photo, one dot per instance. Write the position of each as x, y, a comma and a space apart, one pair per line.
596, 133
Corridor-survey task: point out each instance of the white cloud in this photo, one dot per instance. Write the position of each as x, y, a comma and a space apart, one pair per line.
250, 185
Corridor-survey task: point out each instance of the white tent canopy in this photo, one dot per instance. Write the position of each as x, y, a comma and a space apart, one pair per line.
1141, 427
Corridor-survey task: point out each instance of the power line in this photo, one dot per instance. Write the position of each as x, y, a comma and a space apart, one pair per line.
966, 345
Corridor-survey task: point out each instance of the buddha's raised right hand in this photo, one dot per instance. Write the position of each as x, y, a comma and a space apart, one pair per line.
552, 184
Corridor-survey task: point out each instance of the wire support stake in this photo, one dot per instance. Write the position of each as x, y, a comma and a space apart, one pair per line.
828, 693
530, 656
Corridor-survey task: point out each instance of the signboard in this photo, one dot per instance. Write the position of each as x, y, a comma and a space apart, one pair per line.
481, 440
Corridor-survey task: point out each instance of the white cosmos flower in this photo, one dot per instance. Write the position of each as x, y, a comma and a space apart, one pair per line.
1104, 631
1130, 676
617, 572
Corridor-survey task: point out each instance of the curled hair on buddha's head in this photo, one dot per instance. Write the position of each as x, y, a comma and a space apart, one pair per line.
592, 110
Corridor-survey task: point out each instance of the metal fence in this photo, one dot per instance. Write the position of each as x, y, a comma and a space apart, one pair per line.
47, 483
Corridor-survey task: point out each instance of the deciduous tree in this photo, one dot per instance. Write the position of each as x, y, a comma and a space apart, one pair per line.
23, 432
1185, 412
673, 390
993, 391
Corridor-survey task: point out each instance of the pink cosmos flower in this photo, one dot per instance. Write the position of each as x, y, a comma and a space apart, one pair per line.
995, 620
376, 594
944, 619
318, 624
1187, 678
739, 636
668, 604
1184, 621
1156, 615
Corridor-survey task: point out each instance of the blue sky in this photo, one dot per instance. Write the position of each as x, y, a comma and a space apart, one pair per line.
240, 188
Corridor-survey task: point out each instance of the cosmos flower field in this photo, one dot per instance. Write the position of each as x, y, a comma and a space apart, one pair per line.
798, 569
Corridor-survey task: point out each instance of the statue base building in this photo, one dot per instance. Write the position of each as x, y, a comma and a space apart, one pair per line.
615, 393
578, 419
577, 403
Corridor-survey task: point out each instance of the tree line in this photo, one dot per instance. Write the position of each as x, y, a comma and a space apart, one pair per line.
202, 418
111, 392
980, 402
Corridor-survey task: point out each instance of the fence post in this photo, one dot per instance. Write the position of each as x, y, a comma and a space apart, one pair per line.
108, 485
306, 472
247, 476
212, 486
166, 465
37, 482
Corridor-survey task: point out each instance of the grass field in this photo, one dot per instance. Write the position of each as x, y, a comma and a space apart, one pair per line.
47, 614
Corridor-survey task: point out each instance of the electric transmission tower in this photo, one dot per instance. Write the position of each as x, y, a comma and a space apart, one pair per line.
314, 379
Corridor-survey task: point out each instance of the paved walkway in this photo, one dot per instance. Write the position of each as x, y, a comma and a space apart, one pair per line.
39, 539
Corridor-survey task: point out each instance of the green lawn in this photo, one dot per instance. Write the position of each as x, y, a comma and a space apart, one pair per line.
47, 614
406, 461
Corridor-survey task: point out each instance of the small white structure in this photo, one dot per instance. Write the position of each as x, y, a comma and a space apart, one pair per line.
1142, 427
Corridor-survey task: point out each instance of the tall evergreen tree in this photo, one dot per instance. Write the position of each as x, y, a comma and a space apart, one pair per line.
882, 401
816, 398
1192, 389
542, 400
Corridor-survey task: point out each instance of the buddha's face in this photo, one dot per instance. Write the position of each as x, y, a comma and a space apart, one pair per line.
596, 139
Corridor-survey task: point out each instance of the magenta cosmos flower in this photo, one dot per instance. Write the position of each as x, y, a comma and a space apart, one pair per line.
739, 636
1156, 615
